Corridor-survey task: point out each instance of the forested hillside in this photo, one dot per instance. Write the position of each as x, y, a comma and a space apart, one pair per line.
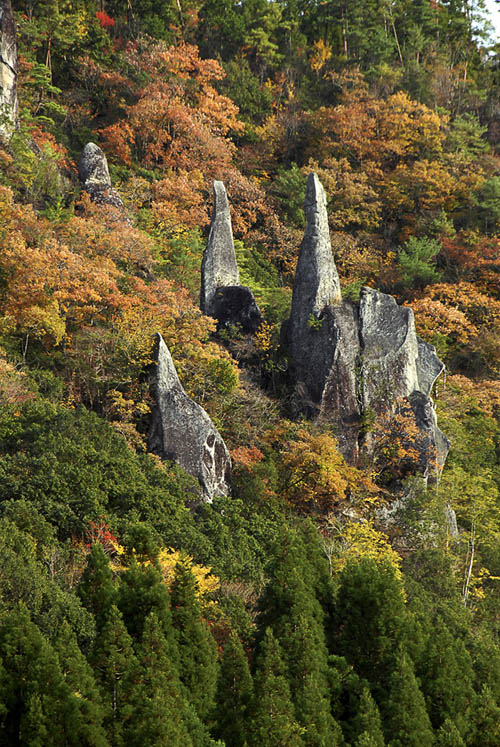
331, 598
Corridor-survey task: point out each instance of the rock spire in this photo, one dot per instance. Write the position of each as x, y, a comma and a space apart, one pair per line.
222, 295
181, 430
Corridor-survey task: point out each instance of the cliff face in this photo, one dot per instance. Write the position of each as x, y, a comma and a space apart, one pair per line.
350, 362
181, 431
95, 179
8, 71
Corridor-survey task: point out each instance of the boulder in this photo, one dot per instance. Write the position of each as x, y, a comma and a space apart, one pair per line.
95, 179
8, 71
222, 295
236, 305
181, 431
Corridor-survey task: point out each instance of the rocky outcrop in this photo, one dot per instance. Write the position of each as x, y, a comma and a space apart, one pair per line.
8, 71
351, 363
95, 179
181, 431
222, 295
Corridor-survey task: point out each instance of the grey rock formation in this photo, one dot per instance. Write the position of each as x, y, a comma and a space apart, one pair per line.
181, 431
8, 71
94, 176
389, 351
219, 267
316, 283
350, 364
222, 295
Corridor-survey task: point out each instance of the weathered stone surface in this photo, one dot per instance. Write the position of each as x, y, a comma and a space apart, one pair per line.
429, 367
219, 267
340, 399
435, 446
8, 71
94, 176
181, 431
236, 305
316, 283
389, 351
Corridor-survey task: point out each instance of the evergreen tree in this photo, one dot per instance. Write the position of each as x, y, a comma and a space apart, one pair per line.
96, 588
289, 605
367, 723
449, 736
197, 648
272, 722
234, 694
406, 721
84, 694
485, 720
115, 666
38, 706
158, 707
370, 620
142, 591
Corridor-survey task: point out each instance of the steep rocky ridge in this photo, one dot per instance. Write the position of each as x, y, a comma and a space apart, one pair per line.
350, 363
181, 430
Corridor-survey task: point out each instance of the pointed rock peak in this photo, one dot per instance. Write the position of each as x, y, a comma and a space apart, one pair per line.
316, 282
8, 71
166, 374
219, 267
93, 169
181, 431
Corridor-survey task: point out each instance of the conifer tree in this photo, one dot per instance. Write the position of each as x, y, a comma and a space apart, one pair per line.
84, 694
115, 665
234, 694
289, 605
485, 720
406, 721
272, 722
96, 588
197, 648
158, 706
142, 591
449, 736
38, 706
367, 723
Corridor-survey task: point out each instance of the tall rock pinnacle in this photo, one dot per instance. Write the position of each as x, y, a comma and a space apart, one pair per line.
316, 282
222, 295
8, 71
219, 267
182, 431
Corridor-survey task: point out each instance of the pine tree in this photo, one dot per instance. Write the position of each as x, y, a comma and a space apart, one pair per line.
158, 706
197, 648
234, 694
272, 721
406, 721
115, 666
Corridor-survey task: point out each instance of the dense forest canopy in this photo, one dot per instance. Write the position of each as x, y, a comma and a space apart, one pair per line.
324, 602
